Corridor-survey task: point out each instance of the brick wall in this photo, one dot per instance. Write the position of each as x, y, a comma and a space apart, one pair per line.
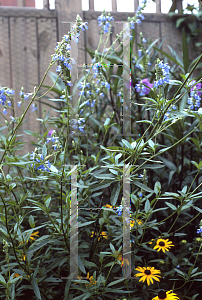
27, 3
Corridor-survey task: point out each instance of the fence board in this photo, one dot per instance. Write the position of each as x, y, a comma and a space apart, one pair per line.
28, 38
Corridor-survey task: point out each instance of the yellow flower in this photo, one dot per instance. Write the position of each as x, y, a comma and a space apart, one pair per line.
119, 257
163, 245
34, 234
162, 295
148, 273
108, 206
101, 234
17, 275
31, 237
79, 277
91, 280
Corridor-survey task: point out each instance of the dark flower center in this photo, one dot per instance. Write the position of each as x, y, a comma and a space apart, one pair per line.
161, 244
147, 272
162, 294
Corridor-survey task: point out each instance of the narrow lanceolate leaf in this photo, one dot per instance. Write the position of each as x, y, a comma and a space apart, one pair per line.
185, 52
36, 288
115, 194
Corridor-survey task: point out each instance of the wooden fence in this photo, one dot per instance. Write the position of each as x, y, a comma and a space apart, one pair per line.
29, 36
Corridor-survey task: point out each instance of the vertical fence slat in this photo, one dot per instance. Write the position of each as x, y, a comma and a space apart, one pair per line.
158, 6
46, 4
136, 4
114, 5
91, 4
21, 3
179, 5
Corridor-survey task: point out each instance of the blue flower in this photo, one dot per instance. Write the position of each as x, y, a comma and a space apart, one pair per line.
93, 103
132, 25
61, 57
139, 53
107, 85
144, 40
199, 230
13, 119
19, 103
140, 194
10, 92
33, 108
58, 69
5, 111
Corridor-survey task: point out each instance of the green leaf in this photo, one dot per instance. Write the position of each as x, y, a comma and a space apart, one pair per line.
81, 265
83, 296
180, 272
185, 52
127, 144
168, 163
170, 57
2, 280
115, 194
143, 186
44, 151
36, 288
112, 248
99, 186
30, 132
2, 137
115, 282
147, 206
157, 187
172, 206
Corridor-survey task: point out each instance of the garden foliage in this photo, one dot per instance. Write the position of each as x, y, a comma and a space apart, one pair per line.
163, 154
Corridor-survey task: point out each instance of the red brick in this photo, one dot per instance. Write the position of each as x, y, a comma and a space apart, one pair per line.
28, 3
9, 2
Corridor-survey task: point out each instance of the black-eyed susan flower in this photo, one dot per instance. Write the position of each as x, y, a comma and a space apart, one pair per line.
163, 245
101, 234
162, 295
148, 273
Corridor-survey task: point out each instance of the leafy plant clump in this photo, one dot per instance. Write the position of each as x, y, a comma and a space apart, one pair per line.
91, 213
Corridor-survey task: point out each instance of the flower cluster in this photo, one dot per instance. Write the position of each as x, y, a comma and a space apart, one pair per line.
75, 124
167, 114
62, 50
53, 138
141, 87
162, 73
35, 156
104, 21
3, 93
194, 100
